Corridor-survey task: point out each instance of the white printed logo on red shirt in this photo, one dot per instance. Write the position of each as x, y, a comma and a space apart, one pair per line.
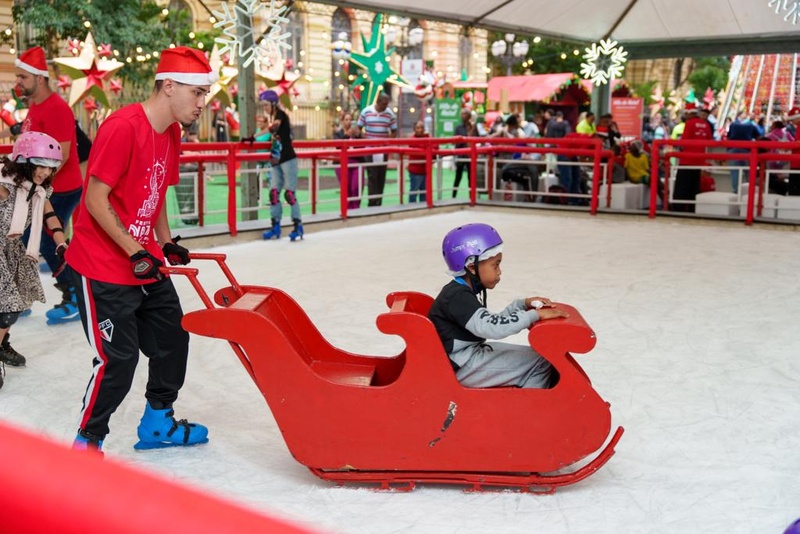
140, 228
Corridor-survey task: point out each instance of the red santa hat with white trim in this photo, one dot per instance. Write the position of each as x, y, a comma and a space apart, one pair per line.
185, 65
32, 60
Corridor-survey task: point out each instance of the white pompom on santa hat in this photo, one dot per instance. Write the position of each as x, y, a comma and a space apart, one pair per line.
32, 60
185, 65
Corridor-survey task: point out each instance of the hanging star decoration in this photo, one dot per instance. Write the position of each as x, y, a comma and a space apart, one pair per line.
281, 80
104, 50
116, 86
709, 99
64, 82
604, 61
227, 74
74, 46
657, 99
375, 66
88, 74
90, 104
789, 9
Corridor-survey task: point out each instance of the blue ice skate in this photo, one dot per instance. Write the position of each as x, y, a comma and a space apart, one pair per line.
298, 230
159, 429
67, 311
275, 231
86, 441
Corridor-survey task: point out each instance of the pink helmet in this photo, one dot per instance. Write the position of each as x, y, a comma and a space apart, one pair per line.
37, 148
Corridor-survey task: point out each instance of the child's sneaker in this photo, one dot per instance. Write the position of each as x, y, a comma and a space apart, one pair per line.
159, 429
86, 441
9, 355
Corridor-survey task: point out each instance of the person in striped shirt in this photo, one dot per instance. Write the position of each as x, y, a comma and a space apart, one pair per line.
377, 122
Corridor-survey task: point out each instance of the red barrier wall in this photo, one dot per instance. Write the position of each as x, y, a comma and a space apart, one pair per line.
49, 488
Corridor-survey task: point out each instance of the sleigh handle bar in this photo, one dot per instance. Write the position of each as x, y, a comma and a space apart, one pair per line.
191, 274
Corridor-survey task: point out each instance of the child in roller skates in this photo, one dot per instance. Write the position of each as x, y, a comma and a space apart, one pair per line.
25, 187
473, 253
284, 168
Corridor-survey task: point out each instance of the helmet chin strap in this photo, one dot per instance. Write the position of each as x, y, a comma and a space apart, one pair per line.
475, 281
32, 191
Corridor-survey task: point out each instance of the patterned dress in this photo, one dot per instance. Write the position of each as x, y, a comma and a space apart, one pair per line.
19, 275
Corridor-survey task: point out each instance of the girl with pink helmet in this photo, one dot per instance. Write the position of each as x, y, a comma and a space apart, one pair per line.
25, 188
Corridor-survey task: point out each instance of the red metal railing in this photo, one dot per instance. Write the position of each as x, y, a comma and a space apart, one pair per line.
589, 150
758, 155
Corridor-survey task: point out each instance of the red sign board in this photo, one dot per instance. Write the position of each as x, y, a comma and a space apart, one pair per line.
627, 114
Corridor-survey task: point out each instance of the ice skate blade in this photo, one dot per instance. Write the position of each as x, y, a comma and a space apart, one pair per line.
62, 320
57, 314
149, 445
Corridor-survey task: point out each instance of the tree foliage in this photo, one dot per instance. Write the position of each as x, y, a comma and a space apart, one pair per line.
134, 28
645, 90
709, 72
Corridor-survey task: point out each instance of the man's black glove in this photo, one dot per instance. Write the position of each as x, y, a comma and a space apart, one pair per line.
251, 140
16, 129
176, 254
144, 266
62, 263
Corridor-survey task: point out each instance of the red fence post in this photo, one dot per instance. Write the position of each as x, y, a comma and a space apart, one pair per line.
344, 180
754, 182
473, 173
232, 190
655, 182
598, 148
313, 184
429, 173
201, 193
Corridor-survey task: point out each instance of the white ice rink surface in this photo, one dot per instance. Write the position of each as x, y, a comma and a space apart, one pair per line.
697, 353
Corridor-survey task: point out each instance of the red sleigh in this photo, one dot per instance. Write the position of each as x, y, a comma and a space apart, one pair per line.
406, 419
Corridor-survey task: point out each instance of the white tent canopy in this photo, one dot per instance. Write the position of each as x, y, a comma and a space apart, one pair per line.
647, 28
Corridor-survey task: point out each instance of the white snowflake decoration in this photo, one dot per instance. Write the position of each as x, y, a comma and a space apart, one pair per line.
789, 7
272, 39
603, 62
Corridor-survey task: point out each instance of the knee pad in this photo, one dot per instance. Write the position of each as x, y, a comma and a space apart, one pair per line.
274, 196
289, 196
8, 318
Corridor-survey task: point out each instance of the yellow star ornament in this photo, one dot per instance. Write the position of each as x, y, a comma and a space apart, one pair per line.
227, 74
89, 72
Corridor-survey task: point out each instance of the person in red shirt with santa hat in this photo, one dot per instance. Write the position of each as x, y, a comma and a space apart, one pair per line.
121, 238
50, 114
687, 181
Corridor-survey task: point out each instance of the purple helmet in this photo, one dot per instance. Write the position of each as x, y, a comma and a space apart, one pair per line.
466, 242
268, 96
794, 528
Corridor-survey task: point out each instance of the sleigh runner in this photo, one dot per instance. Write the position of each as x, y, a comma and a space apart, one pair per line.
406, 419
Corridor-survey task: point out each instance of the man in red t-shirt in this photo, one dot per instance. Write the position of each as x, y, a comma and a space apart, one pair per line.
687, 181
50, 114
121, 237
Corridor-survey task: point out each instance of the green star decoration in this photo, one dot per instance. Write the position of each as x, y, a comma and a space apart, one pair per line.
375, 66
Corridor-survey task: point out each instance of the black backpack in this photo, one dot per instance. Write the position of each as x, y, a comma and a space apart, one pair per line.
84, 144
